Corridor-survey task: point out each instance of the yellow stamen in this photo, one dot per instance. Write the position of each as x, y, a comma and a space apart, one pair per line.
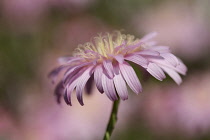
105, 45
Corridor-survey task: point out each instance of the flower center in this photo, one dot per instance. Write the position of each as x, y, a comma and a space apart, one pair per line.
106, 46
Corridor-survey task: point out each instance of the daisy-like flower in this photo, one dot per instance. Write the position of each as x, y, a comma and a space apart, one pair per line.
106, 58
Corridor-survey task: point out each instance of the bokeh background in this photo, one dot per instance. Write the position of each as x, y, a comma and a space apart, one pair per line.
34, 33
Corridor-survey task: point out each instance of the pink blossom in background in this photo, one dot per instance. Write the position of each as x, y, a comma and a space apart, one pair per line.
24, 14
42, 118
106, 58
180, 25
8, 126
72, 6
27, 15
184, 110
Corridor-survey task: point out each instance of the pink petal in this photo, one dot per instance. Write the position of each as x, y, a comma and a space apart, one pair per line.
121, 87
74, 67
108, 67
170, 58
73, 75
132, 47
173, 74
148, 37
151, 43
54, 73
160, 49
138, 60
156, 71
130, 77
67, 60
81, 84
108, 87
148, 52
74, 70
68, 91
59, 90
119, 47
97, 77
181, 68
119, 58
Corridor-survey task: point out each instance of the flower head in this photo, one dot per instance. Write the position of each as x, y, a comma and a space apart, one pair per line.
106, 58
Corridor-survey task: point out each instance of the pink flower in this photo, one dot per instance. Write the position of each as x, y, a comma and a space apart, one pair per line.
184, 110
107, 58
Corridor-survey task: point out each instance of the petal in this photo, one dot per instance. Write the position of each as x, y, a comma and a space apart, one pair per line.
160, 49
151, 43
54, 73
89, 85
148, 52
67, 99
108, 87
81, 84
97, 77
130, 77
108, 67
119, 58
173, 74
59, 90
116, 49
170, 58
68, 60
156, 71
71, 84
76, 73
69, 74
71, 68
148, 37
68, 91
121, 87
132, 47
138, 60
181, 68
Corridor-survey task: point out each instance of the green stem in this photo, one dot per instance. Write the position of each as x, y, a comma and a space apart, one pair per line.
112, 120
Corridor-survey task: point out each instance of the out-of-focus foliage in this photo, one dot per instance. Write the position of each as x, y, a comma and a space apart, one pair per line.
34, 33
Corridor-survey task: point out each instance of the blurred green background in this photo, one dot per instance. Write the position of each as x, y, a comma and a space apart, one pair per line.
33, 34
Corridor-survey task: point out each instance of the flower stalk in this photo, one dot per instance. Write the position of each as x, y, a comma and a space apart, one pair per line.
112, 120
